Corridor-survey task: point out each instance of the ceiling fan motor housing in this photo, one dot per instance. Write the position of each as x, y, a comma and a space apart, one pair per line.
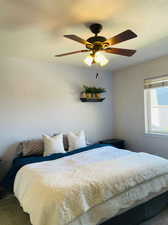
97, 43
96, 39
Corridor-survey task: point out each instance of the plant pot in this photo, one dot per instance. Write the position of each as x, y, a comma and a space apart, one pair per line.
83, 95
98, 95
88, 95
94, 95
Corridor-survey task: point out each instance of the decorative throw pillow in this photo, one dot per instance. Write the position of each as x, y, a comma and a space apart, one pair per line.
65, 141
76, 140
31, 147
53, 144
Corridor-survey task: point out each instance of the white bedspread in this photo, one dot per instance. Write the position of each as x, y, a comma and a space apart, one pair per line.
59, 191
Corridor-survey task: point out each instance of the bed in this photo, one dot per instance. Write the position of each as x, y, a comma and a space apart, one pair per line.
98, 184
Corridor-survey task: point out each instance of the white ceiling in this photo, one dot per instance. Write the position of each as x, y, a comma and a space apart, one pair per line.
34, 28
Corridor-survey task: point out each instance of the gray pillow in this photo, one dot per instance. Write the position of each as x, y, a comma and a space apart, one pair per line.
31, 147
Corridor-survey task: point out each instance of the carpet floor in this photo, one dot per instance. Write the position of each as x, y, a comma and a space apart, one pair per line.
12, 214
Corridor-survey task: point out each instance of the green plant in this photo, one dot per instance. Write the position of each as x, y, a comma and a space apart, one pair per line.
87, 89
93, 89
100, 90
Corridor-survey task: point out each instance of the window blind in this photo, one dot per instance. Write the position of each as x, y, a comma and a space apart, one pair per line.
156, 82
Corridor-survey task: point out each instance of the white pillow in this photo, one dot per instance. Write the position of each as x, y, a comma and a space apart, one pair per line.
53, 144
76, 140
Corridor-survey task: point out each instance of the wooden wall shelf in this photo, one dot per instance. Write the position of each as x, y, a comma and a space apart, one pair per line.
91, 99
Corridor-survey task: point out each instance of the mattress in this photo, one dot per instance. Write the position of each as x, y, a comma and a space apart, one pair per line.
89, 187
126, 201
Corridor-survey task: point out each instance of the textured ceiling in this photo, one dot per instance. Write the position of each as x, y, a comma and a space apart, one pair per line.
34, 28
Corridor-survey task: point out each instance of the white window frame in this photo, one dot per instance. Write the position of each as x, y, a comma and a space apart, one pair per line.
147, 102
148, 113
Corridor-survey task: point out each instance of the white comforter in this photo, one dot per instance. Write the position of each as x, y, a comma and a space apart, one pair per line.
57, 192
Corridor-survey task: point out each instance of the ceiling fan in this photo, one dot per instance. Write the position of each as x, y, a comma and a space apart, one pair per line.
97, 44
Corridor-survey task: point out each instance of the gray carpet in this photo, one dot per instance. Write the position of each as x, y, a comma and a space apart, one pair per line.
12, 214
161, 219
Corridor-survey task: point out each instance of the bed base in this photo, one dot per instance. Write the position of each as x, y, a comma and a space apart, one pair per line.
141, 212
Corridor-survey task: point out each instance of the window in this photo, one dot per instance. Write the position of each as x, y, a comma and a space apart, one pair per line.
156, 105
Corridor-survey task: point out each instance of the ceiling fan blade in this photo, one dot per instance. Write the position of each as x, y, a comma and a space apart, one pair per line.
76, 38
70, 53
120, 51
124, 36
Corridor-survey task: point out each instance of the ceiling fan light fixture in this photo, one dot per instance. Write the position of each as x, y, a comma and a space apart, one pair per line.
100, 59
97, 58
89, 60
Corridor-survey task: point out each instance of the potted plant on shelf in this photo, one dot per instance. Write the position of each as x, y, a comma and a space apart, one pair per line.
92, 92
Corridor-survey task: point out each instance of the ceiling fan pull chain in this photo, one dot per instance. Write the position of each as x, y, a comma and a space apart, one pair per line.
97, 76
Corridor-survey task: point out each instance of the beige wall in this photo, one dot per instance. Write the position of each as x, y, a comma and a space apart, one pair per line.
128, 99
38, 98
